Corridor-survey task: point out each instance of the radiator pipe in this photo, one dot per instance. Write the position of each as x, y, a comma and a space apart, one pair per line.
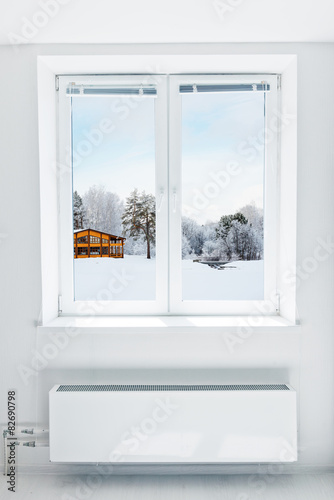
19, 441
28, 430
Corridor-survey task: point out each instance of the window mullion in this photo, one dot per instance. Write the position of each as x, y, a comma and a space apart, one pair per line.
175, 197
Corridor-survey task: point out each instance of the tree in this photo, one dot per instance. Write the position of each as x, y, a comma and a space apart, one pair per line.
103, 210
254, 238
139, 217
225, 224
186, 248
241, 234
254, 215
114, 208
194, 234
78, 212
93, 201
211, 250
227, 231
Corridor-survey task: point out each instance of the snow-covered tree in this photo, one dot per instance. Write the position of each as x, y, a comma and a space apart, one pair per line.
78, 212
93, 201
254, 215
225, 223
139, 217
211, 250
114, 208
239, 238
103, 210
194, 234
186, 248
227, 232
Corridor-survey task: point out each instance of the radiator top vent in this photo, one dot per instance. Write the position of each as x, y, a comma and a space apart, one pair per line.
156, 388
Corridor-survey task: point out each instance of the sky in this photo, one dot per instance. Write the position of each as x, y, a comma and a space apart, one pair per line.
221, 170
113, 145
120, 156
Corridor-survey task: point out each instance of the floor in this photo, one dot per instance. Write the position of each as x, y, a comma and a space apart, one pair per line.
206, 487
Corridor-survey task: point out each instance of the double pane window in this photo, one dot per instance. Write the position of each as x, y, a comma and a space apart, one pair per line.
168, 188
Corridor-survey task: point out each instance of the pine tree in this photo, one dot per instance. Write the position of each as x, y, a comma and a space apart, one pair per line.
225, 224
241, 234
228, 232
139, 217
78, 211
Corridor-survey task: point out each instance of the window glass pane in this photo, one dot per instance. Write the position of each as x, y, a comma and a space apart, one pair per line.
223, 158
113, 158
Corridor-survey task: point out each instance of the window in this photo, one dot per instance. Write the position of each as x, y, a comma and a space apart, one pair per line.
170, 187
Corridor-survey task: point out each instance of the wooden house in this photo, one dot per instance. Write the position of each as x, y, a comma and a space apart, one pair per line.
91, 243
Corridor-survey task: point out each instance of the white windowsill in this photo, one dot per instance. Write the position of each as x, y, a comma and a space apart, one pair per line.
133, 323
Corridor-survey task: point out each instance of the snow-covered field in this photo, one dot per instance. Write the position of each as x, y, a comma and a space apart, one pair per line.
133, 278
241, 280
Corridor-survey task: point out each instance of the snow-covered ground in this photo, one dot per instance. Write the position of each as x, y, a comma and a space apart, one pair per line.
241, 280
133, 278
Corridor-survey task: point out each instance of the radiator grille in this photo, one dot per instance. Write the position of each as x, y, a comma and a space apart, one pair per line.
158, 388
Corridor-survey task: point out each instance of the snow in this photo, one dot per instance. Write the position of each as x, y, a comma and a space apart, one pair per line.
240, 280
133, 278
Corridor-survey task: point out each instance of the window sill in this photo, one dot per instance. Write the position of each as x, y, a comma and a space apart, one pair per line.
132, 324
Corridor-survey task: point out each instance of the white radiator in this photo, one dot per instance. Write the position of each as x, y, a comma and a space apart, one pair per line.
173, 423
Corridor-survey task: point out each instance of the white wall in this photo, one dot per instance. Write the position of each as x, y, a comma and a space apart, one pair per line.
175, 21
305, 357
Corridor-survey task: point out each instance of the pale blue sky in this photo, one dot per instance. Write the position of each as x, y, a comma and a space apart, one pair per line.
125, 158
214, 126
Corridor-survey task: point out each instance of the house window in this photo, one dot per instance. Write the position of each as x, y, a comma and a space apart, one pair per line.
175, 179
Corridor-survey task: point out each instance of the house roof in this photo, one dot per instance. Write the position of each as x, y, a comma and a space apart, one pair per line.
77, 231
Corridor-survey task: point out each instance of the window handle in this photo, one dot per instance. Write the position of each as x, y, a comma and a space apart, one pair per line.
160, 200
174, 201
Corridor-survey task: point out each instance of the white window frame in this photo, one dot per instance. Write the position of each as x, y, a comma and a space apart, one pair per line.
100, 306
267, 305
168, 293
193, 62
